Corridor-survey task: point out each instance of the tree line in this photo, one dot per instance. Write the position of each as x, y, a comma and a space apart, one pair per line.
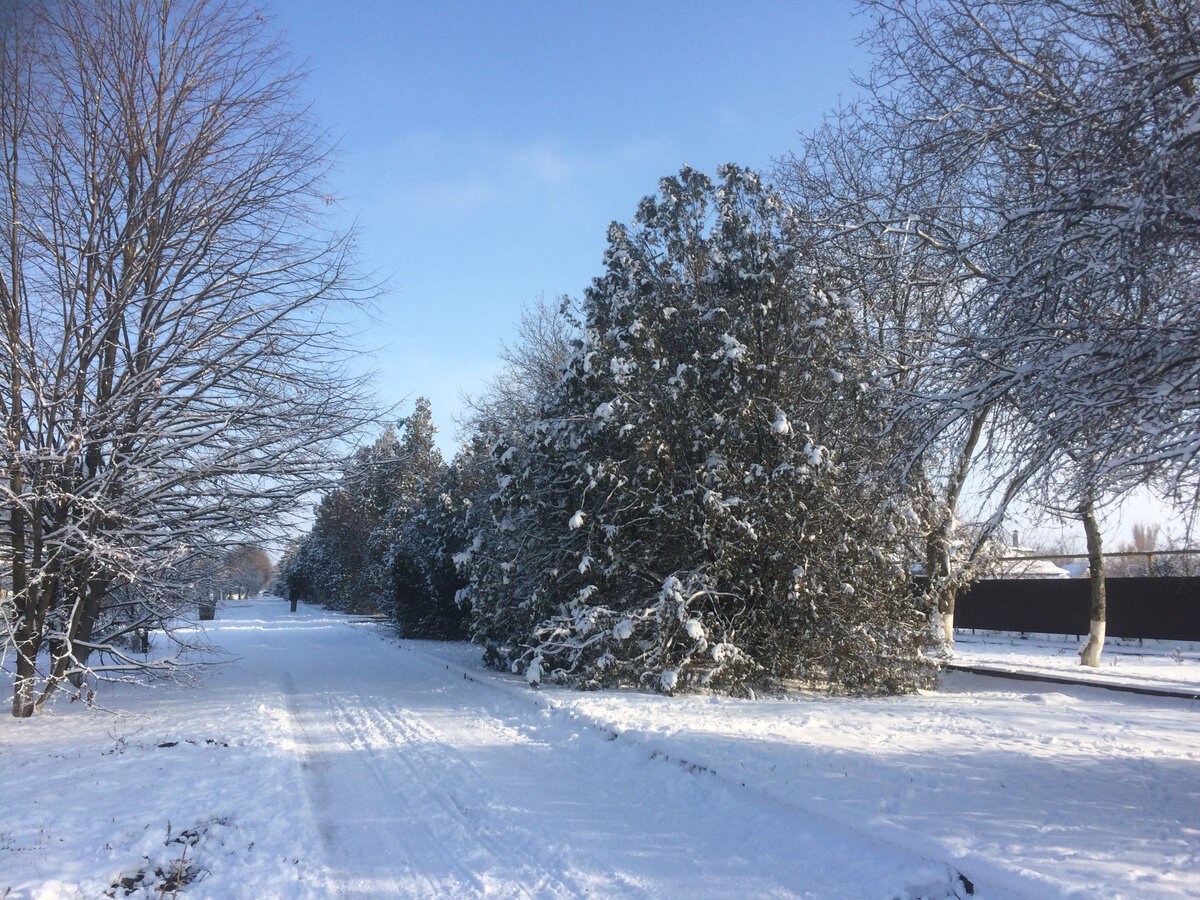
725, 467
683, 498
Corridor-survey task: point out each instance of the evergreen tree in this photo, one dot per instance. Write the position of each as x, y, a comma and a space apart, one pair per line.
417, 463
334, 562
340, 562
430, 600
385, 538
680, 515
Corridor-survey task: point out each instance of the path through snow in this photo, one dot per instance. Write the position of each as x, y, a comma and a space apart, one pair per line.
426, 783
328, 759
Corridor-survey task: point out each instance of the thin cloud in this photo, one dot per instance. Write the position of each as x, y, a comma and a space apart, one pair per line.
446, 177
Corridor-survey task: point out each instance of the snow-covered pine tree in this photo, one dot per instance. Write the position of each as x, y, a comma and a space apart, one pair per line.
333, 564
407, 479
679, 516
516, 549
511, 538
429, 592
344, 562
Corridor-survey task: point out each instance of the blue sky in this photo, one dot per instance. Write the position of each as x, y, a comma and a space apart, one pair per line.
483, 147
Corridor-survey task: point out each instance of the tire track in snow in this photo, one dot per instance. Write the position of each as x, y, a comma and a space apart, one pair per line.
389, 757
444, 823
317, 771
315, 794
478, 798
1002, 876
409, 755
430, 850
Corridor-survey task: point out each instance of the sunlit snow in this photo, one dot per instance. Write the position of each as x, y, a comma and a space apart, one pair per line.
328, 758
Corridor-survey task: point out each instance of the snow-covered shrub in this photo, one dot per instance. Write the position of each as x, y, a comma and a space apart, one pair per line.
428, 593
679, 517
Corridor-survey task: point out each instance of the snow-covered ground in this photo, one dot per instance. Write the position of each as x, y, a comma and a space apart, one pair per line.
326, 758
1170, 666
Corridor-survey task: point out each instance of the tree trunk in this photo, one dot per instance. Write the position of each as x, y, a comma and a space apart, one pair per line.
946, 608
937, 547
30, 638
1090, 654
85, 630
937, 565
23, 683
67, 658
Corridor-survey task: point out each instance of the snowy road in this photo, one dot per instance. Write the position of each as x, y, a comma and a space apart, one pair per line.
425, 783
328, 759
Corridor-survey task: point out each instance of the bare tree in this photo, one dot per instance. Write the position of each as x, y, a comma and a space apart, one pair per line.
248, 569
173, 382
889, 219
1069, 130
531, 368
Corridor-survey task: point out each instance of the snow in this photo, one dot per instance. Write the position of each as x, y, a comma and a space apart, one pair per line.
1172, 666
734, 350
327, 758
781, 425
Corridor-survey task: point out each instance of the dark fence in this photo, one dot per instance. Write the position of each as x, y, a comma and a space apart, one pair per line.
1164, 608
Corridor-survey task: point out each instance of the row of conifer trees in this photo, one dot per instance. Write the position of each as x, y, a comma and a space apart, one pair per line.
687, 491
